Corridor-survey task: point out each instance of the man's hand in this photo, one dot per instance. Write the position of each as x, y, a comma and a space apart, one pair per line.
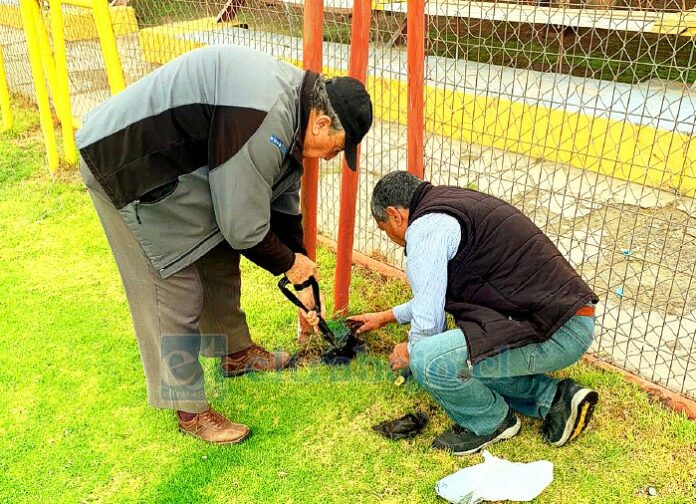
306, 295
301, 270
372, 321
399, 357
311, 316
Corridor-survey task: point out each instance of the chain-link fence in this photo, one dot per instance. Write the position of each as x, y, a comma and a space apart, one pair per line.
581, 114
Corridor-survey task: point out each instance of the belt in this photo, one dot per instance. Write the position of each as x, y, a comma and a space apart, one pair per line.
586, 311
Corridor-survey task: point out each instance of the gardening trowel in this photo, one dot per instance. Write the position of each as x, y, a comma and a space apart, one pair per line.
324, 329
344, 348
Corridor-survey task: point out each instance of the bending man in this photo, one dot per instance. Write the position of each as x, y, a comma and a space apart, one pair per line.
189, 167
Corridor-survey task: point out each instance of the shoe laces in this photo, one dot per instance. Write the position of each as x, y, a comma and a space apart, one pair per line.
256, 351
212, 416
460, 430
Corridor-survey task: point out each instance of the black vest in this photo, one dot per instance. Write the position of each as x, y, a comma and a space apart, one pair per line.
508, 285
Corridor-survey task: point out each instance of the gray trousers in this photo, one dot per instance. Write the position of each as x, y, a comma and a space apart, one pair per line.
195, 311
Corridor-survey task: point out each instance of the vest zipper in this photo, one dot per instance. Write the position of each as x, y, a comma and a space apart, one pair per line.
468, 351
136, 203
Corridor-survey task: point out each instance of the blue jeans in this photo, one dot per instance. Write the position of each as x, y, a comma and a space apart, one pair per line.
479, 398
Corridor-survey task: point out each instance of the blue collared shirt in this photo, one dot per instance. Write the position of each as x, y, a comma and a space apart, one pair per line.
431, 242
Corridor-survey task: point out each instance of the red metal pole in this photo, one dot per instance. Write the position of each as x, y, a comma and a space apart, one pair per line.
357, 67
312, 46
415, 42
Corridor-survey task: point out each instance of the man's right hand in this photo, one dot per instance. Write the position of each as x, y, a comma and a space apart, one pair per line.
302, 269
311, 316
372, 321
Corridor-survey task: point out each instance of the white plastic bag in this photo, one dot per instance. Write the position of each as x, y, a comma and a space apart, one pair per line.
496, 479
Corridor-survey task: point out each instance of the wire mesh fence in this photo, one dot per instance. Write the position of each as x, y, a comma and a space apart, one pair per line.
582, 114
583, 117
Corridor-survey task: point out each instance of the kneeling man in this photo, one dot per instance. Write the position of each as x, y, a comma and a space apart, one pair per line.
521, 311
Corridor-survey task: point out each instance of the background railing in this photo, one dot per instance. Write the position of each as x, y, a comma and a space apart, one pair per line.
582, 114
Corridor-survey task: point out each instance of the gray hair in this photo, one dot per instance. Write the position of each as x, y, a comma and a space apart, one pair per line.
320, 101
395, 189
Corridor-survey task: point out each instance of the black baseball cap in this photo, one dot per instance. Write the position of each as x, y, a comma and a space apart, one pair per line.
351, 102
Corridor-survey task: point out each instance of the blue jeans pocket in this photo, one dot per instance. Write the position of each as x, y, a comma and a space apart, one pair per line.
581, 330
566, 346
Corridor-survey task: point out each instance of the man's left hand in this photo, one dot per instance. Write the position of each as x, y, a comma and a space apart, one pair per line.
399, 357
312, 317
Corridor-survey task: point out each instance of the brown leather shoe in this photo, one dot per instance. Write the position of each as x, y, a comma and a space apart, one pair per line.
253, 358
212, 427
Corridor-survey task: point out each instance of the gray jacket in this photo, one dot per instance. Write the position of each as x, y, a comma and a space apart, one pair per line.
202, 150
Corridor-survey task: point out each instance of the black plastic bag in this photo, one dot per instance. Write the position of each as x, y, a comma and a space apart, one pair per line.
407, 426
349, 345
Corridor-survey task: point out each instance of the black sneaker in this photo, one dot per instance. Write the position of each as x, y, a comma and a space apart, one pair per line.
462, 441
569, 414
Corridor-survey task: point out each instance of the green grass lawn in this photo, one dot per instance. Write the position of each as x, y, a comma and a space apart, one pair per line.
76, 427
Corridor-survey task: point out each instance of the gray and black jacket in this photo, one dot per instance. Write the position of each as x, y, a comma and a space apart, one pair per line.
206, 148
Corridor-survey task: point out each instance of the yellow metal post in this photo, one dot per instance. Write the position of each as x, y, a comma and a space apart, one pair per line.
49, 65
62, 96
87, 4
29, 22
7, 117
112, 61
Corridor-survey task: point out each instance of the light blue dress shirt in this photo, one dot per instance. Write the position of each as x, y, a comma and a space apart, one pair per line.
431, 242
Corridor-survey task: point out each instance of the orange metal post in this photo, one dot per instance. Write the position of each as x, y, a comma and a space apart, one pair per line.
415, 33
357, 67
312, 55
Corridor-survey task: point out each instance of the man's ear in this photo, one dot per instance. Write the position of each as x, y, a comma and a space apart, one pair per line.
321, 121
403, 216
394, 213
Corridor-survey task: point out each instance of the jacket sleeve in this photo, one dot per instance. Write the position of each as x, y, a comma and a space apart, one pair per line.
288, 228
271, 254
286, 220
243, 165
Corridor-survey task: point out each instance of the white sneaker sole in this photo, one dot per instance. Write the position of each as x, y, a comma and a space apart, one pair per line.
508, 433
581, 407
